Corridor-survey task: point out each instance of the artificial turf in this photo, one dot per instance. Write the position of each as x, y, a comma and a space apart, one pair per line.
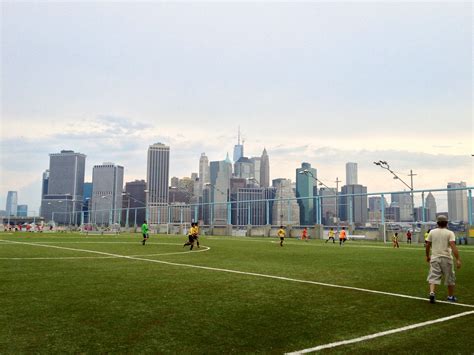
57, 300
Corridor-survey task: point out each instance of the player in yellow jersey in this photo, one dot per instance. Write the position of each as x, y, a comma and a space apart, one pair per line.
191, 234
395, 241
196, 233
331, 235
281, 234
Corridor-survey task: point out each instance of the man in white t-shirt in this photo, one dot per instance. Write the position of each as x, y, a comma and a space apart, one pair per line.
442, 241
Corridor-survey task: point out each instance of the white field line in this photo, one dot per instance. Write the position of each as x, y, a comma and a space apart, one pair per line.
419, 248
62, 258
380, 334
107, 257
242, 273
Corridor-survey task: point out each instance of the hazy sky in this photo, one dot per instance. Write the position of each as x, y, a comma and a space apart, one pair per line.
321, 82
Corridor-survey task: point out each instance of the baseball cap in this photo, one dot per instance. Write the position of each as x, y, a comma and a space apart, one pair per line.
441, 218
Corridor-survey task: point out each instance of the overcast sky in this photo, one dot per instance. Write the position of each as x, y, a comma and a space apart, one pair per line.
325, 83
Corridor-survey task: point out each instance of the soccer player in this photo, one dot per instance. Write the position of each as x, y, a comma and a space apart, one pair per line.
304, 234
408, 237
196, 233
331, 235
281, 234
395, 241
191, 235
342, 236
442, 243
427, 233
145, 232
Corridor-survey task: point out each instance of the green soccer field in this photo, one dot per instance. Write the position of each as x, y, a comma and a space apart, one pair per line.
99, 294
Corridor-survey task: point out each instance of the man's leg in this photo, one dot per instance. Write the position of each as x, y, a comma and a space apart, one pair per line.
450, 290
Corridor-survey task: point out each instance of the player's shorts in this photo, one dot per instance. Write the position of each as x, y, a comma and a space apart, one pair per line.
145, 235
191, 238
282, 238
438, 268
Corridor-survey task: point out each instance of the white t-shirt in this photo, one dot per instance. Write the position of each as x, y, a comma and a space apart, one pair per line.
440, 238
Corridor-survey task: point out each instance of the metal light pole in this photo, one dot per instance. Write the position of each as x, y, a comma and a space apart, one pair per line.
384, 165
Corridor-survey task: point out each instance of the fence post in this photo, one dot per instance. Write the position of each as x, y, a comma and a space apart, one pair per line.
267, 215
382, 217
469, 208
423, 218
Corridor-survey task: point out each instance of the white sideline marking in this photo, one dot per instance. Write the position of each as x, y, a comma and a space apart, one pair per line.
380, 334
292, 241
241, 273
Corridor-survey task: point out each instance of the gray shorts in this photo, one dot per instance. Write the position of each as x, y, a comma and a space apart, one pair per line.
440, 267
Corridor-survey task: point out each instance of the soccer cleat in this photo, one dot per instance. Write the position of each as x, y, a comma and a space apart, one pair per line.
432, 298
452, 299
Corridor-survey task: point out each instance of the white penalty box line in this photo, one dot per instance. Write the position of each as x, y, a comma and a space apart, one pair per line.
239, 272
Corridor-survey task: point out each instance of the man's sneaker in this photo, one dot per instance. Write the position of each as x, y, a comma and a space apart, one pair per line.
432, 298
452, 299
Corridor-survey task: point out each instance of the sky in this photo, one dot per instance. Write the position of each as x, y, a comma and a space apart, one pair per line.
319, 82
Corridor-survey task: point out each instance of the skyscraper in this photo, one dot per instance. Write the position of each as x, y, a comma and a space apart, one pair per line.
430, 204
403, 201
203, 172
65, 187
457, 202
238, 149
305, 183
221, 173
134, 200
264, 170
351, 174
12, 203
255, 168
328, 205
243, 168
158, 166
107, 186
44, 183
353, 204
285, 208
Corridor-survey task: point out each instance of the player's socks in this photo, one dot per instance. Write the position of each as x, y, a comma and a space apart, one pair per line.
432, 297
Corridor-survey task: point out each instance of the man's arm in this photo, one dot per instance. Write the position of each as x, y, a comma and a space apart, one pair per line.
455, 250
427, 249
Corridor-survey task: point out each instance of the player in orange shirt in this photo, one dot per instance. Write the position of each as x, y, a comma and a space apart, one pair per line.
342, 236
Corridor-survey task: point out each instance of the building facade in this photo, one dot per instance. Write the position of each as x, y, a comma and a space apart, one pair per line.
107, 186
134, 201
158, 166
12, 203
305, 183
353, 204
219, 191
63, 202
328, 198
204, 173
351, 174
457, 202
264, 169
22, 211
430, 204
286, 210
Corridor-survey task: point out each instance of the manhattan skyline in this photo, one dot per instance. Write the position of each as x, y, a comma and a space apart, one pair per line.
324, 83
